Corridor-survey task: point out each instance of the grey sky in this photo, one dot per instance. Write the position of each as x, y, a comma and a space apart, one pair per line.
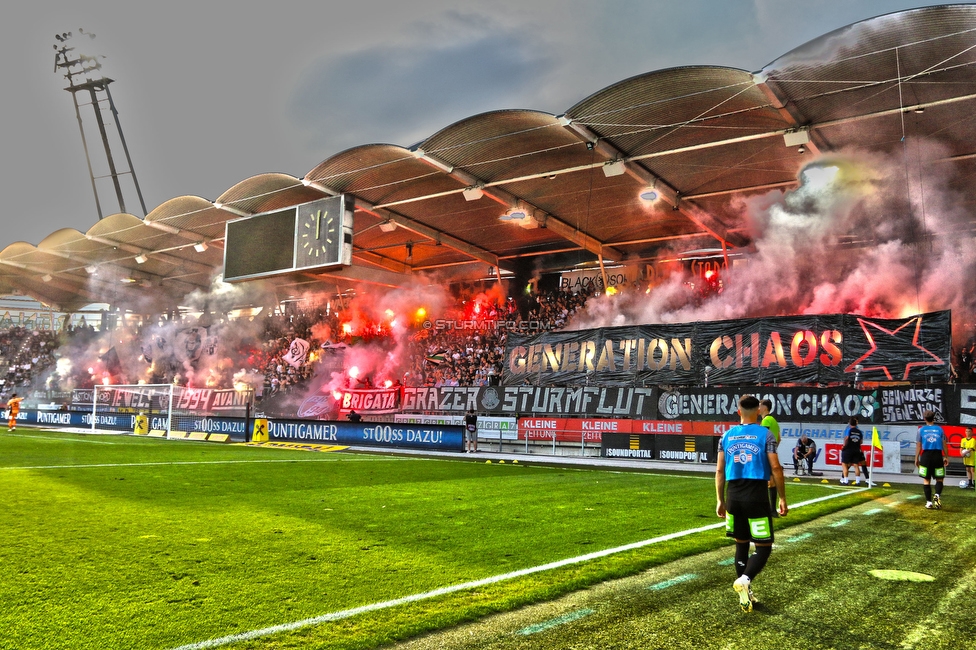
211, 93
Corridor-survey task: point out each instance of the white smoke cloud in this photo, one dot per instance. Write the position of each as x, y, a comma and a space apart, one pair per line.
863, 233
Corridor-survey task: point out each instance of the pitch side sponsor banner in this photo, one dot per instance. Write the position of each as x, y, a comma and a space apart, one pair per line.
953, 435
801, 349
489, 427
668, 446
207, 425
605, 401
824, 433
681, 428
116, 421
828, 457
570, 429
412, 436
50, 418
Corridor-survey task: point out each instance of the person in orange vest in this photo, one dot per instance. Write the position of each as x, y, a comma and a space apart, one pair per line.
13, 408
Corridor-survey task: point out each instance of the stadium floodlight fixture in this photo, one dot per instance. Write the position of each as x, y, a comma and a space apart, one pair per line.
472, 193
141, 258
47, 277
649, 195
388, 226
92, 269
200, 247
515, 214
614, 168
796, 138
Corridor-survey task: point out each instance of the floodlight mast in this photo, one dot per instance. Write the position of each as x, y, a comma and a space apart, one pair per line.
78, 69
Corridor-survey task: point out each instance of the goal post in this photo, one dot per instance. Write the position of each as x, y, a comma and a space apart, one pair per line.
115, 407
170, 408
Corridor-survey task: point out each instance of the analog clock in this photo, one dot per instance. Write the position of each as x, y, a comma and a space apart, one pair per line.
319, 235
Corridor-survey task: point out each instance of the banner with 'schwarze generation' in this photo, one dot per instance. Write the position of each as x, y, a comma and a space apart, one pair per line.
790, 349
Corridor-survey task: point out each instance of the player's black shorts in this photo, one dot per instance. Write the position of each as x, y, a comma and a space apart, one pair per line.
748, 511
931, 464
851, 456
749, 520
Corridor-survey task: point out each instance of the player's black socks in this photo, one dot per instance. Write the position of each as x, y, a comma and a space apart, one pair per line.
758, 561
741, 557
938, 488
928, 492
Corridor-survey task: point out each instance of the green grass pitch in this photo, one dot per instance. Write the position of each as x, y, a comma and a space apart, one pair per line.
124, 542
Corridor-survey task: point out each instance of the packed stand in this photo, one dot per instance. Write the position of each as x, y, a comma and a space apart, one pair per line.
24, 355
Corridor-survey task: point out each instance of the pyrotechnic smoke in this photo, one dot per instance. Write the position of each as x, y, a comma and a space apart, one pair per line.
395, 314
859, 235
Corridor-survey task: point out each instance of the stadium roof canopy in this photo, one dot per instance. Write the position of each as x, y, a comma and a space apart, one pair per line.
697, 138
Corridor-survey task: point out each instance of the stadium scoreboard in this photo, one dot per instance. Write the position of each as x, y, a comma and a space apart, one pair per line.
307, 237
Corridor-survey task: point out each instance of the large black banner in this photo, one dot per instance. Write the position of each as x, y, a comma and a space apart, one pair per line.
790, 349
889, 405
580, 401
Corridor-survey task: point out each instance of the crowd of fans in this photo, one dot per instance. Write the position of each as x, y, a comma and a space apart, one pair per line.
464, 346
24, 354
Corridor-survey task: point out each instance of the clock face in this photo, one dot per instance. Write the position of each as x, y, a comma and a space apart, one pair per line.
319, 234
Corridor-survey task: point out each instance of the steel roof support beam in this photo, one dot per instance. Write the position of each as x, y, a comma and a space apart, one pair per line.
408, 224
372, 276
169, 259
509, 200
699, 217
788, 111
431, 233
55, 281
186, 235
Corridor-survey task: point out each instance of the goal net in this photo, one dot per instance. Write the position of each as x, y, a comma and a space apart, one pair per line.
115, 408
168, 409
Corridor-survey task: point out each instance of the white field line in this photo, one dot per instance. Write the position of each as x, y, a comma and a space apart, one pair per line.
54, 439
346, 613
182, 462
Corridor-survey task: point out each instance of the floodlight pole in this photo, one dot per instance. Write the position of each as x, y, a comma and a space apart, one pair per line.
83, 65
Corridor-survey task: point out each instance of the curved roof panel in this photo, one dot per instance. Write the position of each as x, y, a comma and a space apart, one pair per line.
267, 192
701, 137
195, 217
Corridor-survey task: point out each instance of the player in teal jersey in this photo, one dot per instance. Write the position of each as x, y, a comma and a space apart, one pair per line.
747, 460
931, 459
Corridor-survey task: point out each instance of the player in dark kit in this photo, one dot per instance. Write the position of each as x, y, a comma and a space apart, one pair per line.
747, 460
470, 432
931, 459
851, 454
